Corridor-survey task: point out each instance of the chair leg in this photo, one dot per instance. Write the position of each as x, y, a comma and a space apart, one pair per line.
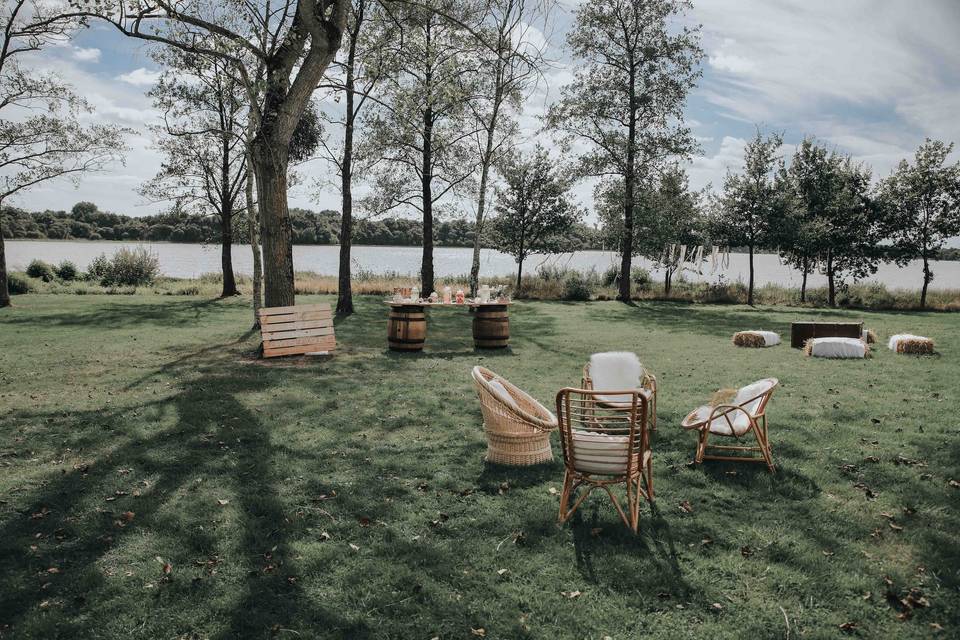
648, 479
764, 442
635, 513
702, 445
565, 496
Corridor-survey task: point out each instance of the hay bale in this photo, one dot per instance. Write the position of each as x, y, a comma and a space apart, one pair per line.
836, 348
911, 344
915, 346
869, 336
748, 339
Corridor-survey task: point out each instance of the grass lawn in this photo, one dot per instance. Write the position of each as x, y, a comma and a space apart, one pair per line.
158, 481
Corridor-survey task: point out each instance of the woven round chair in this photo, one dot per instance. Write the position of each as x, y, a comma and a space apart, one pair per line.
518, 427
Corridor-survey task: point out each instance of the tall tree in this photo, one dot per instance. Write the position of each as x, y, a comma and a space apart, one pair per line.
851, 226
42, 137
513, 63
202, 140
752, 201
354, 75
798, 232
280, 51
923, 201
420, 130
534, 210
667, 212
635, 67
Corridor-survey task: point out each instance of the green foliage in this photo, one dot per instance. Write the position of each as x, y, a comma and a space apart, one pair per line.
577, 286
98, 268
67, 271
534, 210
18, 283
127, 267
41, 270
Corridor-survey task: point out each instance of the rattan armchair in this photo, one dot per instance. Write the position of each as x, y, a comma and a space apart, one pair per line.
518, 427
605, 445
746, 413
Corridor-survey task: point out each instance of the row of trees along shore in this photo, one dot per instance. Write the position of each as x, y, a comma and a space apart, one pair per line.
420, 106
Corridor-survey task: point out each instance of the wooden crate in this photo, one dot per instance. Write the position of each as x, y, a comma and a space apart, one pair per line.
287, 331
800, 332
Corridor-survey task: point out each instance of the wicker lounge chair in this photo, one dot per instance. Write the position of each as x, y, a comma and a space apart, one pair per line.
614, 370
605, 445
745, 413
518, 427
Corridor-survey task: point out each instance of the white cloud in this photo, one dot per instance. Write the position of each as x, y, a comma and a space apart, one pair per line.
86, 55
140, 77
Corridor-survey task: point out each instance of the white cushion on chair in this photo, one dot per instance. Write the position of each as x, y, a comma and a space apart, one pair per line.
600, 453
719, 425
501, 393
615, 371
753, 390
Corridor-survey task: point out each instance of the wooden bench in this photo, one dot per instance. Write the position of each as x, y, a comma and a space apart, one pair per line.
287, 331
800, 332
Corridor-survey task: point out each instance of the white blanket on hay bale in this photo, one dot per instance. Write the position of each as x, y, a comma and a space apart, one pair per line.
770, 338
896, 340
836, 348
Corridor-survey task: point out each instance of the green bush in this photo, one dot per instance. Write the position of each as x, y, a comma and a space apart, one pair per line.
17, 284
641, 278
127, 267
41, 270
577, 286
66, 271
610, 276
98, 268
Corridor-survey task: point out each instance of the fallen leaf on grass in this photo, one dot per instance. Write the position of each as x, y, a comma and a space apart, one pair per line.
828, 552
954, 484
481, 632
167, 568
502, 572
354, 547
745, 551
127, 516
717, 606
223, 502
53, 570
686, 507
571, 594
363, 521
324, 536
553, 491
848, 627
936, 627
895, 526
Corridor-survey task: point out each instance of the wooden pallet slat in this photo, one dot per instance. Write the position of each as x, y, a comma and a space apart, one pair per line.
272, 311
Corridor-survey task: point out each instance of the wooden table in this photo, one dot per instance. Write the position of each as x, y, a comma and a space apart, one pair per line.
407, 324
800, 332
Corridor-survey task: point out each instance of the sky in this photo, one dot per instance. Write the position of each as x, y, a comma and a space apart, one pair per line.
872, 78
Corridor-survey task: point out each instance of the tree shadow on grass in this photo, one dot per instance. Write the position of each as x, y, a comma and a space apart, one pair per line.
213, 438
125, 314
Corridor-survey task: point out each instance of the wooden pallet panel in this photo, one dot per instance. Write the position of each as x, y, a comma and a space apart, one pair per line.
286, 331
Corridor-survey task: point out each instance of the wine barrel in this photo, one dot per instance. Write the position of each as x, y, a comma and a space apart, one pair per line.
491, 327
406, 328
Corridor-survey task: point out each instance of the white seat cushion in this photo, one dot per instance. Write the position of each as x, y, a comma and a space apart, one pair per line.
902, 337
719, 425
501, 393
837, 347
600, 453
615, 371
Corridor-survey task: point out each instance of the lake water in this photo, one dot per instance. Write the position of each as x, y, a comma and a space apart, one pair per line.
192, 260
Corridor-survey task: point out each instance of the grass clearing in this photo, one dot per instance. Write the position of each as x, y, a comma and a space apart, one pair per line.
347, 497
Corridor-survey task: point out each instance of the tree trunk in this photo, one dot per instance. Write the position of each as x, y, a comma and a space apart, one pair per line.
344, 282
927, 278
226, 256
831, 285
270, 167
803, 284
478, 227
750, 286
426, 185
4, 291
519, 272
626, 243
667, 281
253, 220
